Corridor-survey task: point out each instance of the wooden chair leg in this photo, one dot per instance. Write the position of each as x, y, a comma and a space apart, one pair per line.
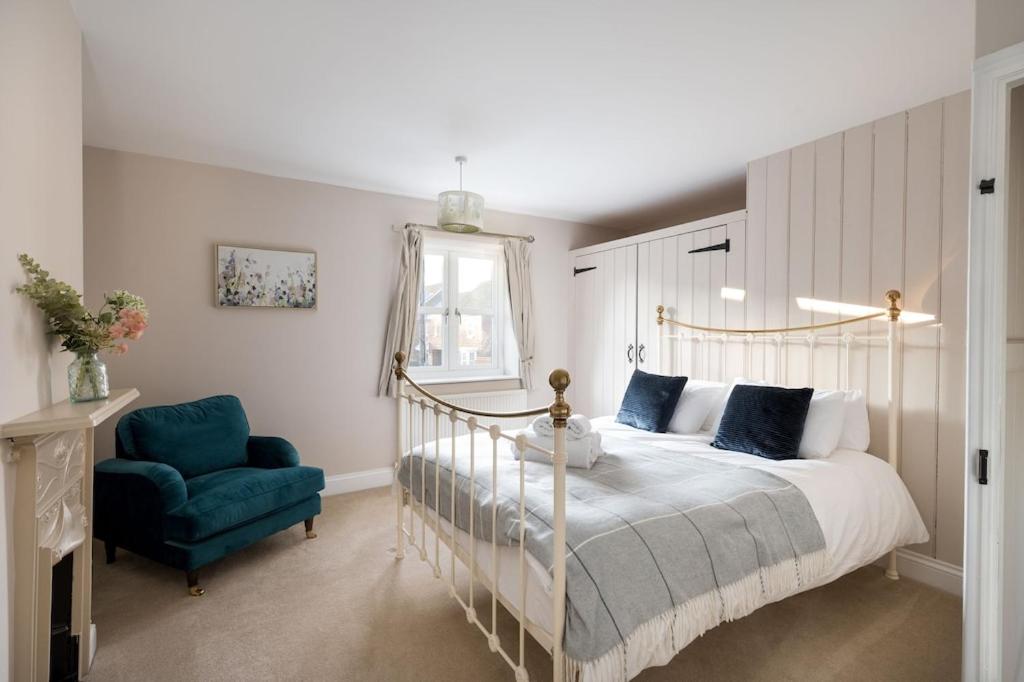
309, 528
193, 584
111, 550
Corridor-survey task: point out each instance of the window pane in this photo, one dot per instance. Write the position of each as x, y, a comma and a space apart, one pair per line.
428, 341
475, 341
432, 295
476, 283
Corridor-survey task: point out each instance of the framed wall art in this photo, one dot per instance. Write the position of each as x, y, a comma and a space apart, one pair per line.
249, 277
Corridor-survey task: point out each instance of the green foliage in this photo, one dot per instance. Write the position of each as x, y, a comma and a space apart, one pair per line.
80, 331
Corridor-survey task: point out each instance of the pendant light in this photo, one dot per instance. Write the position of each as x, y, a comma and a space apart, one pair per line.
460, 211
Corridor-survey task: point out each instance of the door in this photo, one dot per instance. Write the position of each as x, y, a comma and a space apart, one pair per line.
704, 287
994, 523
1013, 500
603, 346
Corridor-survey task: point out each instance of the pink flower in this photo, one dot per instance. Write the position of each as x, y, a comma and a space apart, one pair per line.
120, 349
130, 324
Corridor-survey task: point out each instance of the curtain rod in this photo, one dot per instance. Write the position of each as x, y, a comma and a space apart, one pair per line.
529, 238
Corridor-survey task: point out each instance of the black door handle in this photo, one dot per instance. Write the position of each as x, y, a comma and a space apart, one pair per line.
640, 353
629, 353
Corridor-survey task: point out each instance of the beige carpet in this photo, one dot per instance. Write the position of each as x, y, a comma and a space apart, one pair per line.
340, 608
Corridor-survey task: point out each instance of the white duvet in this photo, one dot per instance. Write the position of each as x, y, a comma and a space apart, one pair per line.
862, 505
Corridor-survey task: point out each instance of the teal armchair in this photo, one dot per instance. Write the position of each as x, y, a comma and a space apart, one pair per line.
189, 485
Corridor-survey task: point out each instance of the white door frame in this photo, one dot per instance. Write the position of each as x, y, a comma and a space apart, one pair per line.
994, 75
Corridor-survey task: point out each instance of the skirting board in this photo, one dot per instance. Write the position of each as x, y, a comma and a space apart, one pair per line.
340, 484
932, 572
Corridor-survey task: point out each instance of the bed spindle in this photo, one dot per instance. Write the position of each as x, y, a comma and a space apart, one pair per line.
423, 479
400, 389
471, 611
437, 491
521, 675
894, 386
492, 641
560, 412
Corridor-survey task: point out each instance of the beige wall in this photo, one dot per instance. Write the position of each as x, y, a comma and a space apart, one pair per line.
881, 206
40, 213
310, 376
998, 24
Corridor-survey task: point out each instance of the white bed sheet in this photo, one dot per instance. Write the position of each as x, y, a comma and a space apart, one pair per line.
862, 506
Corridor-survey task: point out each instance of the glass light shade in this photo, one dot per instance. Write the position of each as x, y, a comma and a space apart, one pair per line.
459, 211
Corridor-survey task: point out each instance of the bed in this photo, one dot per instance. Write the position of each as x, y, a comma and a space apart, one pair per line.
617, 568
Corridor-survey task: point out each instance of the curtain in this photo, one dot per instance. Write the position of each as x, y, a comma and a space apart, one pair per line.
402, 320
520, 295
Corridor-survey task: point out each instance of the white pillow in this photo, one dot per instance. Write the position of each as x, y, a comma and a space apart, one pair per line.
856, 434
694, 405
824, 424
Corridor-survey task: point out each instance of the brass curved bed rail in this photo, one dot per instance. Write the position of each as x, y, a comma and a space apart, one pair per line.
559, 380
892, 314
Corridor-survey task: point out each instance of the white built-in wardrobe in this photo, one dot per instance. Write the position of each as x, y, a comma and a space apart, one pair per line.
617, 287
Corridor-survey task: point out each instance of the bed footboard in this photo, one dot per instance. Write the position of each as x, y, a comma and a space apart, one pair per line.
412, 398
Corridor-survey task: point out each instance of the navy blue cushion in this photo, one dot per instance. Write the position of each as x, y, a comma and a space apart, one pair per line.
650, 401
767, 421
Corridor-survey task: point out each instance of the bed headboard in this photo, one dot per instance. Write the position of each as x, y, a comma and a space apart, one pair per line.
721, 354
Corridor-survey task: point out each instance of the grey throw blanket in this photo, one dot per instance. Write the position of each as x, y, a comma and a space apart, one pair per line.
663, 545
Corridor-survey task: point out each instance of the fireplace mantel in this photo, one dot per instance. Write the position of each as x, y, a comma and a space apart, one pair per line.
53, 453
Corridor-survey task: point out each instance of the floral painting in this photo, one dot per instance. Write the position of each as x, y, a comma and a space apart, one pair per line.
265, 278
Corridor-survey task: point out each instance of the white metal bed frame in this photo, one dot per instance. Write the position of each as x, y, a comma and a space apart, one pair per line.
559, 410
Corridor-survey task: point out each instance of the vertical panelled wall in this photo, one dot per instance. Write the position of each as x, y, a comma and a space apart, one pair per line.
845, 218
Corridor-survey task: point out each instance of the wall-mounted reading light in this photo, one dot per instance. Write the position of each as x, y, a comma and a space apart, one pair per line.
852, 310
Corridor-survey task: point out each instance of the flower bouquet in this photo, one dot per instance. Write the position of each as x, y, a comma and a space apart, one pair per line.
122, 317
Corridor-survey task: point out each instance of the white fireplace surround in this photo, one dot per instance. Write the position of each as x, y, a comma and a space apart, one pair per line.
53, 454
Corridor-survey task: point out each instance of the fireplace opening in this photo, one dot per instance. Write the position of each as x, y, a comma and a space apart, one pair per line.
63, 645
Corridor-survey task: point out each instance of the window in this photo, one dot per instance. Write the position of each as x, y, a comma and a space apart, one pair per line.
462, 325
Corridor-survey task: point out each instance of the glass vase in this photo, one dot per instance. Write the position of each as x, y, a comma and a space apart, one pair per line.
87, 378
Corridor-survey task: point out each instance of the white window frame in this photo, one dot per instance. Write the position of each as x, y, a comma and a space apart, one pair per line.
451, 371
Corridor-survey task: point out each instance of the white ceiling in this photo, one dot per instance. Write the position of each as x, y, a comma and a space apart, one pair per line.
618, 113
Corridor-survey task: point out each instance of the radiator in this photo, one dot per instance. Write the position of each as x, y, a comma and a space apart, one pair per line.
492, 401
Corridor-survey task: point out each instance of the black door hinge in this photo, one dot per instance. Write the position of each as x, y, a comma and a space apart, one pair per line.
987, 186
983, 467
724, 246
576, 271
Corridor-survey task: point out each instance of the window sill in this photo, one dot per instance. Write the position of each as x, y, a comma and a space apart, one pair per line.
442, 381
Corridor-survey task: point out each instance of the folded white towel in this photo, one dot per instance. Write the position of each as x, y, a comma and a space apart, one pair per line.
581, 453
576, 427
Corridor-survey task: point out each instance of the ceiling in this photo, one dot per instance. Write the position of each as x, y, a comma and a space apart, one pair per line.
628, 114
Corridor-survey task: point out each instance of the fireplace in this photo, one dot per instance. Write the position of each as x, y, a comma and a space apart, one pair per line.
63, 644
53, 634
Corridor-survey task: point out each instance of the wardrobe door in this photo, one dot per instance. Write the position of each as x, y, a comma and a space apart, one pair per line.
586, 352
624, 347
648, 293
604, 344
695, 285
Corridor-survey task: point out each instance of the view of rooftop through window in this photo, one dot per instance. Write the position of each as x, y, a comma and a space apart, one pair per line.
456, 326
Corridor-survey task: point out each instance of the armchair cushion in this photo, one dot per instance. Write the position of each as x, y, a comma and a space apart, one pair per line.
195, 438
222, 500
271, 452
